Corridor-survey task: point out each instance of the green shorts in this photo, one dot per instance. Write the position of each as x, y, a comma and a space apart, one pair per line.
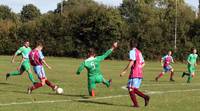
25, 66
191, 69
93, 80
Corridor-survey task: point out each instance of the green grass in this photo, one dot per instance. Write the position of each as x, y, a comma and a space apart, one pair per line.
75, 87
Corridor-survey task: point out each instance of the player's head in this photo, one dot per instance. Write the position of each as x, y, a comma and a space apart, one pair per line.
91, 52
194, 50
133, 43
39, 46
26, 43
170, 52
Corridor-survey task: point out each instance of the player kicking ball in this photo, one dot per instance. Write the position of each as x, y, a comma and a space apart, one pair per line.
136, 63
92, 64
192, 63
24, 63
165, 62
37, 60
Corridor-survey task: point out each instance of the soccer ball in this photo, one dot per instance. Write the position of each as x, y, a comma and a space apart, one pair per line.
59, 91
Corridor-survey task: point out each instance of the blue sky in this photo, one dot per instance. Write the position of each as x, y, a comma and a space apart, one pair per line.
46, 5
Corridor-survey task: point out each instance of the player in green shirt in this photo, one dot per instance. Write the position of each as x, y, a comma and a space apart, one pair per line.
192, 63
92, 64
24, 63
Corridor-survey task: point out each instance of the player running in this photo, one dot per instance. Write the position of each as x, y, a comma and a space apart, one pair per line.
192, 63
92, 64
136, 63
37, 60
165, 62
24, 64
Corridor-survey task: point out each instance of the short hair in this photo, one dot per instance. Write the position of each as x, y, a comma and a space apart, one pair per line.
193, 49
26, 40
133, 43
91, 51
39, 43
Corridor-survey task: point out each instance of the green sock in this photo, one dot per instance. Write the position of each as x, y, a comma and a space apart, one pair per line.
189, 79
107, 83
30, 75
14, 73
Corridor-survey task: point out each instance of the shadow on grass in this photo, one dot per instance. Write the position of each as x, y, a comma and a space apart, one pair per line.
4, 83
71, 95
102, 103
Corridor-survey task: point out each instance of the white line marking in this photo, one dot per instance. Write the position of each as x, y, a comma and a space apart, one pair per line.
57, 101
98, 98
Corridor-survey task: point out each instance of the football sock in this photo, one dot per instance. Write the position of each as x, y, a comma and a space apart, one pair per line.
37, 85
188, 74
133, 98
139, 93
160, 75
14, 73
30, 75
171, 75
107, 83
189, 79
92, 93
49, 84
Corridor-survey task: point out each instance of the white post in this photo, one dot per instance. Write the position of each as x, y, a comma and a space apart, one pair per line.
175, 29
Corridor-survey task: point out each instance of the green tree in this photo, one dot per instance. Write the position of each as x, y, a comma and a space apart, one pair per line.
29, 12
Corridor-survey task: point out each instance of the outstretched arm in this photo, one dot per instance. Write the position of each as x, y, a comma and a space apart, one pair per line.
81, 67
102, 57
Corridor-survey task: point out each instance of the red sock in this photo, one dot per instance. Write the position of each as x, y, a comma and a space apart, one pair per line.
171, 75
92, 93
37, 85
160, 75
133, 98
139, 93
49, 84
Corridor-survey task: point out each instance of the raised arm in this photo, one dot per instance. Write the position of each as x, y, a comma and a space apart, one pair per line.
102, 57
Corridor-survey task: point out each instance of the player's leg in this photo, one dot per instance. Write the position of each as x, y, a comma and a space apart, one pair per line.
137, 83
37, 85
132, 93
16, 73
192, 73
101, 79
91, 86
133, 97
30, 74
159, 76
171, 74
185, 73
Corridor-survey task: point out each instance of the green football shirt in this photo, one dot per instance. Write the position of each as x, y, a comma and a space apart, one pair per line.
92, 64
192, 58
24, 51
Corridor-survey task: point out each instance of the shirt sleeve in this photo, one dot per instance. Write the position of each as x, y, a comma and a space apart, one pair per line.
188, 58
172, 60
19, 51
132, 56
102, 57
41, 56
81, 67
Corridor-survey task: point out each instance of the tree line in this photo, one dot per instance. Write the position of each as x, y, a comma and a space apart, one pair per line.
76, 25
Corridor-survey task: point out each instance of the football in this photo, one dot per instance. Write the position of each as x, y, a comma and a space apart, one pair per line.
59, 91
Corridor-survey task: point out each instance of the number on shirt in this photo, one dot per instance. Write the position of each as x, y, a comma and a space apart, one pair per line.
93, 65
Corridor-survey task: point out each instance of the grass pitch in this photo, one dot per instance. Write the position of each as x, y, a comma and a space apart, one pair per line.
165, 95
